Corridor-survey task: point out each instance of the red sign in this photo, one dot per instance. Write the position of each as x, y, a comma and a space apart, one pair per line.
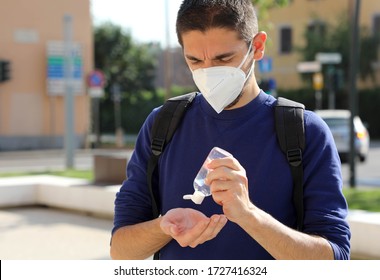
96, 79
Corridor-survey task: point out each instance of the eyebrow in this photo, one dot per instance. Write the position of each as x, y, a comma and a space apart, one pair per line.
218, 57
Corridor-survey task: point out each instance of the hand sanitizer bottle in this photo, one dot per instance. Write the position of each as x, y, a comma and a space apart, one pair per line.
201, 189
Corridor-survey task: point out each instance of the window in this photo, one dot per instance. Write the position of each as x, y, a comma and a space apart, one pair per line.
317, 27
286, 35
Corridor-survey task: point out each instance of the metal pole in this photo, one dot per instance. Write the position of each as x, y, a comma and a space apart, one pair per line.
354, 57
331, 71
318, 99
119, 137
69, 91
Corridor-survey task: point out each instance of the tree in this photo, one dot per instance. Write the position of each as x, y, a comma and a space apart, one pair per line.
336, 39
269, 4
263, 6
130, 68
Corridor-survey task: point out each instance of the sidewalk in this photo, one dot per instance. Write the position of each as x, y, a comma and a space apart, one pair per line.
39, 233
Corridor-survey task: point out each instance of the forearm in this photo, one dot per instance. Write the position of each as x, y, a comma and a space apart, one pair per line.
138, 241
283, 242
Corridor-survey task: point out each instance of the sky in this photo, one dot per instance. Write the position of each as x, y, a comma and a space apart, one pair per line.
144, 19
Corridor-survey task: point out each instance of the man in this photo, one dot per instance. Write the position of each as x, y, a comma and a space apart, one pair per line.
250, 214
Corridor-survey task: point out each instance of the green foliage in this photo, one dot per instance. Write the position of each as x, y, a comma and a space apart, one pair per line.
336, 39
367, 98
71, 173
130, 67
363, 199
368, 110
369, 46
133, 111
264, 5
124, 62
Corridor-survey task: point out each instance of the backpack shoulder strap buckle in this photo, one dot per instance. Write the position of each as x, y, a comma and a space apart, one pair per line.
294, 157
157, 146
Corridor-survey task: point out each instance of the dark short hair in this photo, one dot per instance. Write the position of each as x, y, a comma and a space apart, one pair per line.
202, 15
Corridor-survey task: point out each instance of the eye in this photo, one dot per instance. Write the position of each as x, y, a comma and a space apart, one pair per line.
194, 61
225, 59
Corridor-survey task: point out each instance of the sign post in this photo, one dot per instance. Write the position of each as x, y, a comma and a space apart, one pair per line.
330, 59
318, 86
314, 67
96, 82
69, 92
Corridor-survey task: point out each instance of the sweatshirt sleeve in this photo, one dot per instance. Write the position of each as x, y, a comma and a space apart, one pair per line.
133, 201
325, 205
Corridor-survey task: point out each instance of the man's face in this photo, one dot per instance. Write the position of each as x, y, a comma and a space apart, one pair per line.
215, 47
223, 47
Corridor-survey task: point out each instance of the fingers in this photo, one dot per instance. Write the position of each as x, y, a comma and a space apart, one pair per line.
229, 162
217, 222
200, 233
229, 187
225, 174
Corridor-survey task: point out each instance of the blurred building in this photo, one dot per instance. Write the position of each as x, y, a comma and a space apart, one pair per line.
32, 55
286, 27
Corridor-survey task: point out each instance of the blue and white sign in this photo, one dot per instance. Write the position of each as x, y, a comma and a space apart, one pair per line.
265, 65
56, 82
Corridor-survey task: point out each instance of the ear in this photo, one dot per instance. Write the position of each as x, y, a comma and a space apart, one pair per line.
259, 45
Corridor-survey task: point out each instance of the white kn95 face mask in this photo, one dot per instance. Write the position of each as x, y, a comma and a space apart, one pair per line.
221, 85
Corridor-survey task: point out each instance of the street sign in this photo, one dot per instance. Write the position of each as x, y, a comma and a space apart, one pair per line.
96, 82
328, 58
309, 67
265, 65
56, 68
96, 79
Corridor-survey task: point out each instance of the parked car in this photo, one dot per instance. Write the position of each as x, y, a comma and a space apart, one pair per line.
339, 124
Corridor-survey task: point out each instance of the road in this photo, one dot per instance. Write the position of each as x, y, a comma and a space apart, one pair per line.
367, 173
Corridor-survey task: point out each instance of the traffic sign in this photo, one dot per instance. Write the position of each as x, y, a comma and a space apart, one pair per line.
329, 58
96, 79
96, 82
309, 67
265, 65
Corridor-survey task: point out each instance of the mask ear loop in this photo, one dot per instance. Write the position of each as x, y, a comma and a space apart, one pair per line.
245, 58
246, 55
250, 70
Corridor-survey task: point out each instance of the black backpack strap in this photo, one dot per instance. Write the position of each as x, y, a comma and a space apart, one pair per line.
162, 131
289, 116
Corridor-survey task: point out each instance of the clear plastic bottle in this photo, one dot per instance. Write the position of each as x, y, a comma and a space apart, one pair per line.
201, 189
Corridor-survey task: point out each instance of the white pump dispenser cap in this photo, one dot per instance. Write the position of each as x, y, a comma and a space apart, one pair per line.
197, 197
